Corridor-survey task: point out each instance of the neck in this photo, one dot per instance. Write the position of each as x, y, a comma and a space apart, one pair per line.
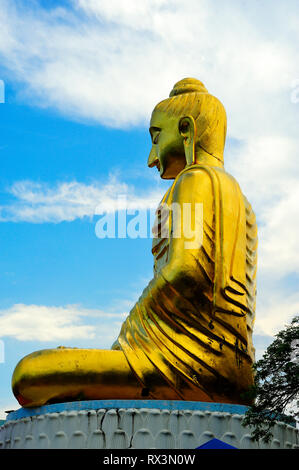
204, 158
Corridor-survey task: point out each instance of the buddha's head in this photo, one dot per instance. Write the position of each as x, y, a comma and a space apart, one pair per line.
188, 127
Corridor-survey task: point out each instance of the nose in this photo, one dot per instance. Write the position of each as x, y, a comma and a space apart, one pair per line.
152, 158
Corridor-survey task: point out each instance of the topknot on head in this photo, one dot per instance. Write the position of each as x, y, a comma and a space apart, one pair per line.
188, 85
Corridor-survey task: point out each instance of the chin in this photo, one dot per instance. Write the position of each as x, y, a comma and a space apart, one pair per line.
172, 171
168, 175
165, 177
164, 174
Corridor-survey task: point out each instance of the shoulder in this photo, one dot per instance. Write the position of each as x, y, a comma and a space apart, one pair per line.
193, 183
194, 175
202, 176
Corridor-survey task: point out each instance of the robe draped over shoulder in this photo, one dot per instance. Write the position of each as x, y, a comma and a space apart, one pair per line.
191, 330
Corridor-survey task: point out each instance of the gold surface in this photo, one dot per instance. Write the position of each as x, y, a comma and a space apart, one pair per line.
189, 336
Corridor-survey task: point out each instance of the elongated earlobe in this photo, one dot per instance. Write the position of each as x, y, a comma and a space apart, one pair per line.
187, 129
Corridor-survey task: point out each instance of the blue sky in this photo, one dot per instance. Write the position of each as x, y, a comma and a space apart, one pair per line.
81, 79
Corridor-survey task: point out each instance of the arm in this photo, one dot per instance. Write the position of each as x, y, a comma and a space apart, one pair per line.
191, 255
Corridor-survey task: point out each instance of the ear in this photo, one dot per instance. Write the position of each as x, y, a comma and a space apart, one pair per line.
187, 129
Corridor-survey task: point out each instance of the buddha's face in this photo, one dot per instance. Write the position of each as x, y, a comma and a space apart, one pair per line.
167, 152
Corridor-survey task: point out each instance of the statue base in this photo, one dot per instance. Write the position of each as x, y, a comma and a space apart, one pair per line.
135, 424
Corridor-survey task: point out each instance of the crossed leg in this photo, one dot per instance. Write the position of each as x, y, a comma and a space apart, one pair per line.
68, 374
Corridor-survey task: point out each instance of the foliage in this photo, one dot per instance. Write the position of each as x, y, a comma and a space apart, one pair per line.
276, 384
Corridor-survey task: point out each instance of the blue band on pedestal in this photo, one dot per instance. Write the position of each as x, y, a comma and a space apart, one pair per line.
109, 404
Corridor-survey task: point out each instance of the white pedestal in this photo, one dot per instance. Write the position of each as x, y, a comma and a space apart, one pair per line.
123, 424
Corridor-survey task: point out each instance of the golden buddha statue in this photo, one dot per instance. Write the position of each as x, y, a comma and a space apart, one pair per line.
189, 336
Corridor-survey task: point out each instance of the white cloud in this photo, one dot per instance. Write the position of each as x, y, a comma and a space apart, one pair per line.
276, 310
112, 61
10, 405
51, 323
267, 169
38, 203
280, 234
268, 172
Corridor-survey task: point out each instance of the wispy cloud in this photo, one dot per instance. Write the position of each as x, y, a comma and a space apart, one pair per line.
276, 310
39, 203
56, 323
267, 169
268, 172
112, 61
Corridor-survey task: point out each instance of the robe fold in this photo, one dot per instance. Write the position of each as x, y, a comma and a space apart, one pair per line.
189, 336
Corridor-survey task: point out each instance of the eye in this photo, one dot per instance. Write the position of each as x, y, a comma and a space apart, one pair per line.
156, 138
